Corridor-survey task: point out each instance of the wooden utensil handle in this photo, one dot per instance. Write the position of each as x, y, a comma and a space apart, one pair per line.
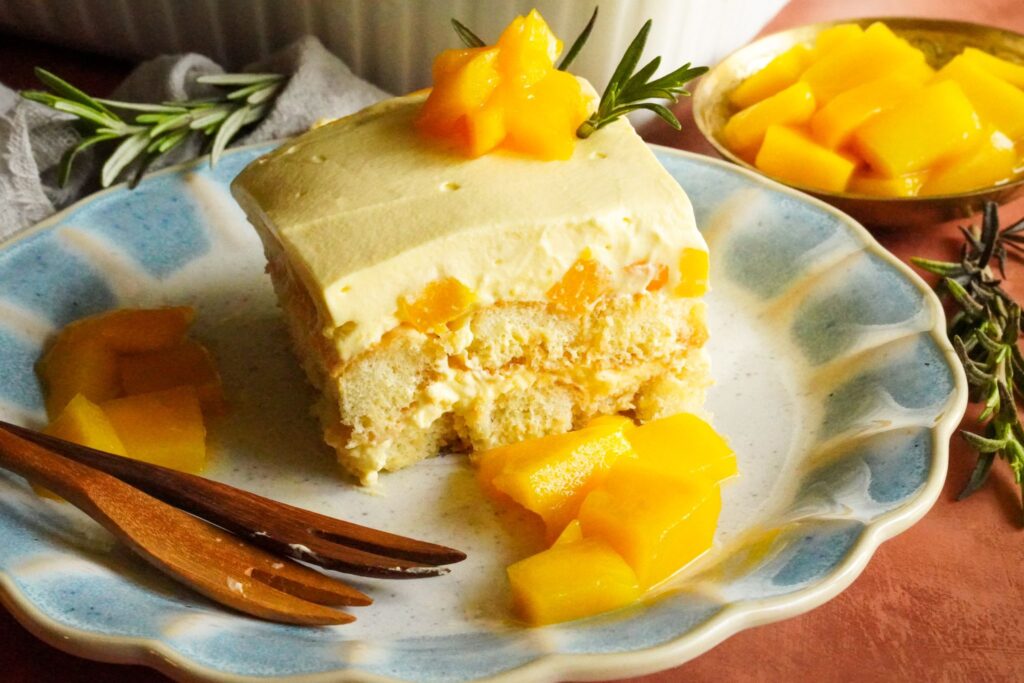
64, 477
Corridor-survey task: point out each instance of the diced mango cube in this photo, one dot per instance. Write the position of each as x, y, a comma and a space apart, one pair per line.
558, 101
997, 102
528, 50
682, 445
780, 73
571, 533
1011, 72
745, 129
866, 182
77, 364
693, 273
485, 128
83, 422
833, 124
187, 363
858, 61
583, 284
657, 523
470, 76
133, 330
570, 581
440, 302
833, 37
929, 125
991, 162
552, 475
793, 157
164, 428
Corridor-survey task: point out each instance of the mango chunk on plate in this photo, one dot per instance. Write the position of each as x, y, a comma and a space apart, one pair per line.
997, 102
857, 61
77, 365
84, 356
928, 126
780, 73
745, 129
834, 37
1011, 72
551, 476
833, 124
682, 445
187, 363
571, 580
792, 156
162, 427
83, 422
992, 161
657, 523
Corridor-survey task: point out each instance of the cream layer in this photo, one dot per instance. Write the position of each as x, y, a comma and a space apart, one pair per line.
368, 211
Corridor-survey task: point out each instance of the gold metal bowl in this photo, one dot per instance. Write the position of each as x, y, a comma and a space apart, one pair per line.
940, 41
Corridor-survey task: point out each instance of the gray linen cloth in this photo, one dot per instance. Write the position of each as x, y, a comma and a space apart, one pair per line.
33, 137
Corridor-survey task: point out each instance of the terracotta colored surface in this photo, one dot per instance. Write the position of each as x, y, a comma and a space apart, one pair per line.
942, 602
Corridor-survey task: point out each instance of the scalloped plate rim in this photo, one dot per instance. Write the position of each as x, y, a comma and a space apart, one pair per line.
732, 619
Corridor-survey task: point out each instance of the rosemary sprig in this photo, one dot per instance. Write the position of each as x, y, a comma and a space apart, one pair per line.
630, 90
985, 332
470, 39
155, 129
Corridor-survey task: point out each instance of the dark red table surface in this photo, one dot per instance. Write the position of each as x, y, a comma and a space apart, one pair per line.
942, 602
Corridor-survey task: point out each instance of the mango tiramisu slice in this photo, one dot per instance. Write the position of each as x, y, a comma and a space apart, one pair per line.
453, 283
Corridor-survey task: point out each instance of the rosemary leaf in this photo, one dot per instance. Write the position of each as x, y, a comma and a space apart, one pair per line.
126, 153
577, 45
468, 38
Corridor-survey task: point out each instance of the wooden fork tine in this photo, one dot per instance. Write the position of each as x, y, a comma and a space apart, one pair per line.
282, 528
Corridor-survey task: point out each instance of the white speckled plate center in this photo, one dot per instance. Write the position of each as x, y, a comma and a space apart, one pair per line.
834, 384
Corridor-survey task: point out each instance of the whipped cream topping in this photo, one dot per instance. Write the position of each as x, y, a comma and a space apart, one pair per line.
369, 211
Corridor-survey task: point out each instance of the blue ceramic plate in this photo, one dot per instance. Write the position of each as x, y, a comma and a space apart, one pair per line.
835, 385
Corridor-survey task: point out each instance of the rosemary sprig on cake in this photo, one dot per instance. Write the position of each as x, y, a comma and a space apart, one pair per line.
985, 331
628, 90
151, 130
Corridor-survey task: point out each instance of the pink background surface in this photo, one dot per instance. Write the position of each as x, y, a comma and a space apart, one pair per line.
942, 602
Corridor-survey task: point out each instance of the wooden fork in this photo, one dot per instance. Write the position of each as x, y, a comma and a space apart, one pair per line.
196, 553
280, 528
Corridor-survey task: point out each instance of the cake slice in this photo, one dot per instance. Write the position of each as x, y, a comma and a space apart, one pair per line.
440, 302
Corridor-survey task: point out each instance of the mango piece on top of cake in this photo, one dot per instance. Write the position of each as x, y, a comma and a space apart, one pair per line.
440, 297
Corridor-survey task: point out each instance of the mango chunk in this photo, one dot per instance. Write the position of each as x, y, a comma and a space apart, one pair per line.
834, 36
583, 284
793, 157
682, 445
187, 363
693, 273
77, 364
508, 96
571, 580
571, 533
551, 476
857, 61
440, 302
83, 422
780, 73
991, 162
83, 357
997, 102
909, 185
833, 124
657, 523
164, 427
1011, 72
896, 142
745, 129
